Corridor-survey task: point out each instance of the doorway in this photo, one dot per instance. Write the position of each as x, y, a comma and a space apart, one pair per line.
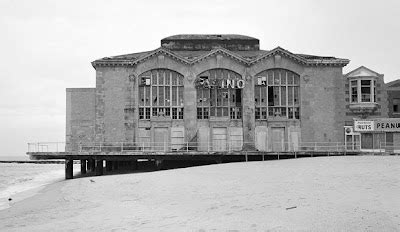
219, 138
278, 139
161, 139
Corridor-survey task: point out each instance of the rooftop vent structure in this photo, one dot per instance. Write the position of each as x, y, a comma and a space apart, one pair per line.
208, 42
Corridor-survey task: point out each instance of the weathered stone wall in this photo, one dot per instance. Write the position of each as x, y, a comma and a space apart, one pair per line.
80, 117
111, 96
322, 104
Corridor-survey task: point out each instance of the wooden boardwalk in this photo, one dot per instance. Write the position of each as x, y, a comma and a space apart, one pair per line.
94, 161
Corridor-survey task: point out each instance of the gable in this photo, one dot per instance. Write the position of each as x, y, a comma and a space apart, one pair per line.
221, 51
362, 72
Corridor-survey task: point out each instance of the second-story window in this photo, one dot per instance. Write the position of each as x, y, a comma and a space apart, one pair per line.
363, 90
396, 105
161, 94
277, 94
219, 94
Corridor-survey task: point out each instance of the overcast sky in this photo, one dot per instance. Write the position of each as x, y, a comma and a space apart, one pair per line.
47, 46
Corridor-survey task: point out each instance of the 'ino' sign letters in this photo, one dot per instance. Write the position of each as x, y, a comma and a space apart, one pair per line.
220, 83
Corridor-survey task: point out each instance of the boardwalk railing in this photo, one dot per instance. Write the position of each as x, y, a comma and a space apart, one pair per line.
47, 147
215, 146
389, 147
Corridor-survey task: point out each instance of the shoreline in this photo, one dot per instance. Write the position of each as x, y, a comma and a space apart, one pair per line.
28, 195
312, 194
33, 161
21, 191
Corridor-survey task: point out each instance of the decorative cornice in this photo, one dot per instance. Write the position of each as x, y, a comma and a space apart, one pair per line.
280, 51
164, 51
248, 62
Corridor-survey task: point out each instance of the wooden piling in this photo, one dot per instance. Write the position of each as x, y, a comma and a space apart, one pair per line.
83, 166
115, 165
69, 168
91, 165
109, 164
134, 165
99, 167
158, 164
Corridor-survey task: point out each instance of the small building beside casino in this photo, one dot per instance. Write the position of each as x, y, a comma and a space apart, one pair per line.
223, 93
377, 128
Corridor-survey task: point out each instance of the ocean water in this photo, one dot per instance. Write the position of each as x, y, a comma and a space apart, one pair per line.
16, 178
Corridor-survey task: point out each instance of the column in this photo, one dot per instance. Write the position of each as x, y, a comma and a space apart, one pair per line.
99, 167
69, 168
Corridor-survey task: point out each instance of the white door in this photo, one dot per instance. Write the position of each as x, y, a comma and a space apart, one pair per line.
261, 138
144, 139
177, 138
278, 135
203, 137
160, 139
219, 138
235, 138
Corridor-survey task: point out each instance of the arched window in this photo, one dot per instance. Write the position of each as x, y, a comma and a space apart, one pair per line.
219, 94
161, 94
276, 94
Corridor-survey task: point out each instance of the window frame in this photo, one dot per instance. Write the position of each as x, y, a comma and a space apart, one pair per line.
277, 94
153, 88
214, 102
359, 88
397, 105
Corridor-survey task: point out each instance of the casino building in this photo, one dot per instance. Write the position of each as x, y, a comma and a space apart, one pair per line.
223, 93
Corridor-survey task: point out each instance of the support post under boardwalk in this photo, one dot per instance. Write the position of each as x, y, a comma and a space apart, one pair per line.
134, 165
109, 164
69, 168
158, 164
83, 166
99, 167
115, 165
92, 165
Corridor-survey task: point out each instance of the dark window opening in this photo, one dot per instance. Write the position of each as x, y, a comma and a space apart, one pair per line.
160, 91
396, 105
277, 94
216, 101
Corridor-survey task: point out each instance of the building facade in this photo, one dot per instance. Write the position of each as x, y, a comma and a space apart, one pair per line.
223, 93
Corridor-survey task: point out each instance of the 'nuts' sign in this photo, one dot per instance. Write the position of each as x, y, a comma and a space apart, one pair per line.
363, 126
378, 125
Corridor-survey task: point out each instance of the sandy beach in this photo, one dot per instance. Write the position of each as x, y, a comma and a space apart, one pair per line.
308, 194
